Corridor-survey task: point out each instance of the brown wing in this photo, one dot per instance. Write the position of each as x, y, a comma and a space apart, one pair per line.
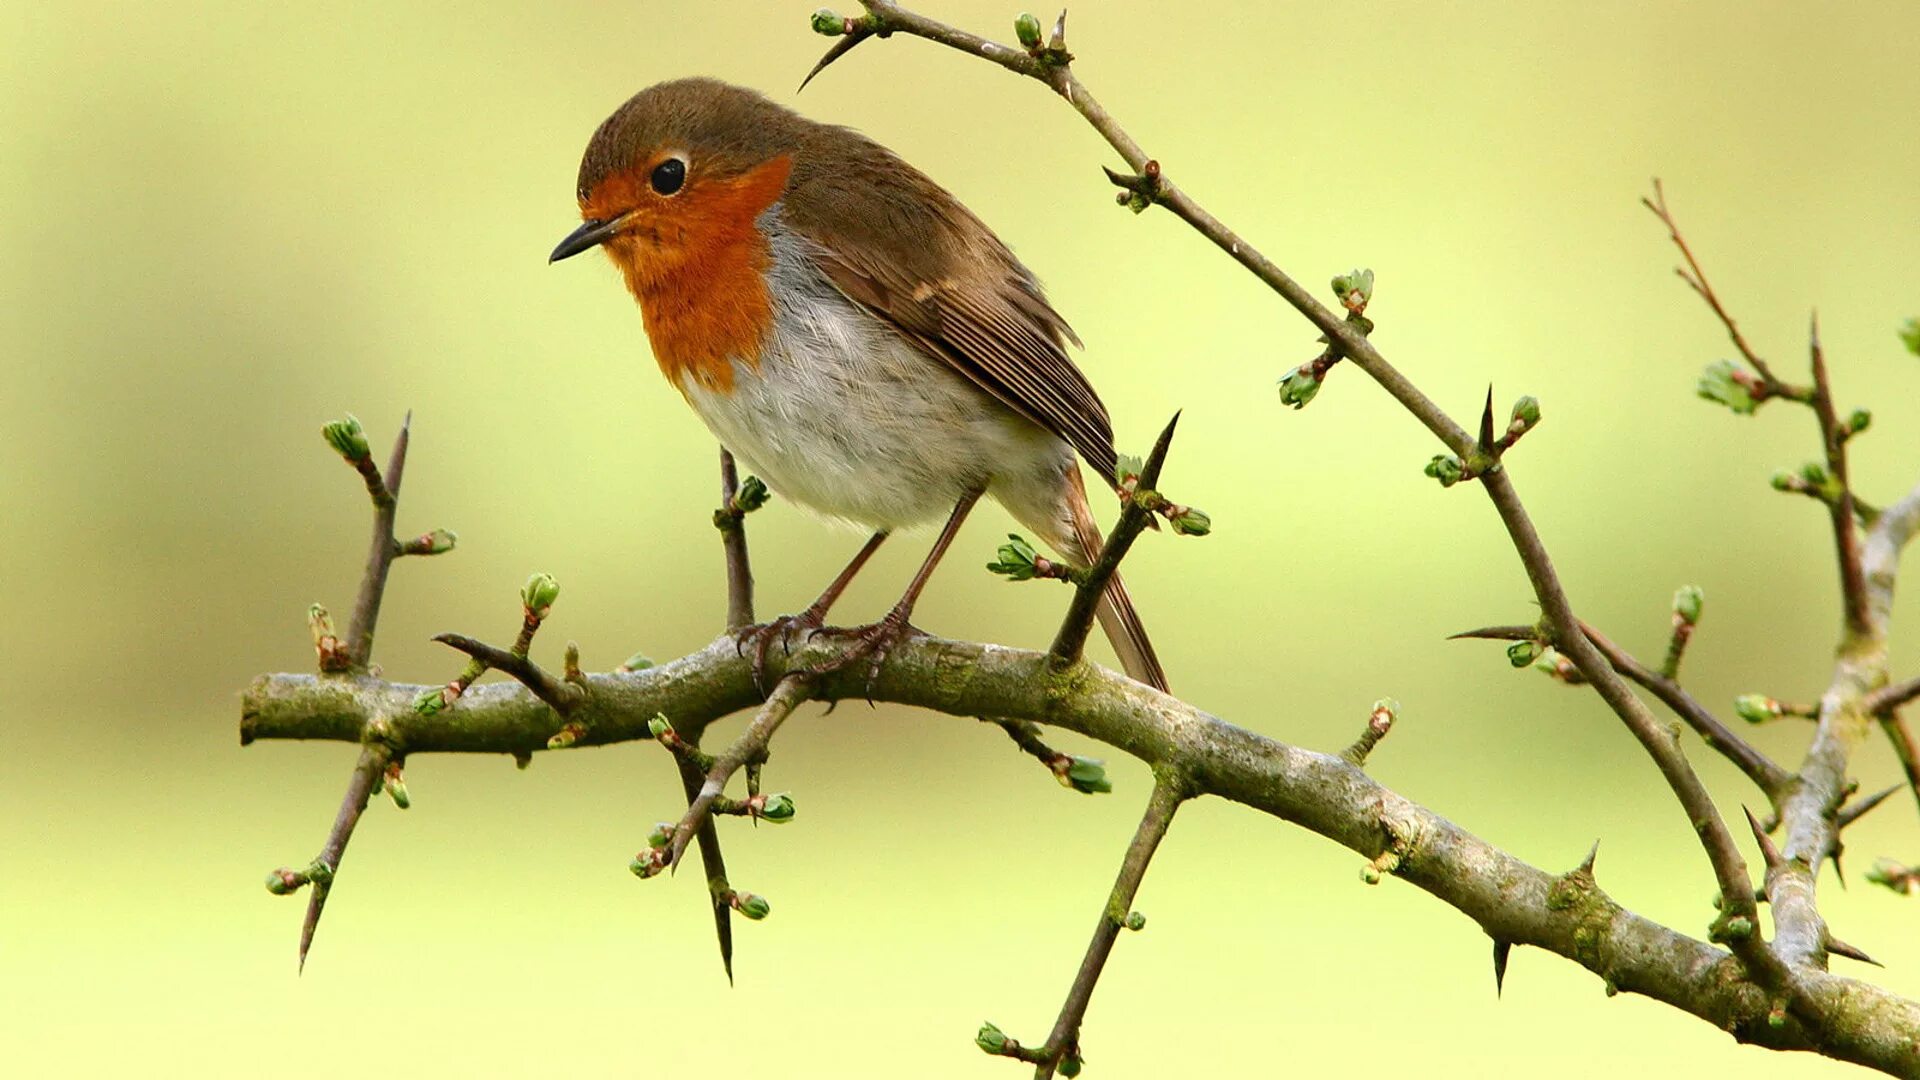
898, 244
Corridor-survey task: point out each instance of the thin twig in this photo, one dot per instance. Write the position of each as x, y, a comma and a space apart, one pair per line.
1136, 512
562, 695
1846, 535
733, 538
1903, 748
1891, 697
1762, 770
360, 785
380, 552
1169, 790
1696, 280
1083, 774
750, 746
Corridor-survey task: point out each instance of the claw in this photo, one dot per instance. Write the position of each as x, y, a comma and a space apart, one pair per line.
763, 635
873, 643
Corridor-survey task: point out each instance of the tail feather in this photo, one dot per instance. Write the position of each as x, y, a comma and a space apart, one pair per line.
1115, 610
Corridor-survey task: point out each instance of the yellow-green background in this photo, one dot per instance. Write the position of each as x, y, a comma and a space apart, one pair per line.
225, 224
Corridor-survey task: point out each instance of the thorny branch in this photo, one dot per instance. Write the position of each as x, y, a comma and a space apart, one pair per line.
1777, 994
1050, 63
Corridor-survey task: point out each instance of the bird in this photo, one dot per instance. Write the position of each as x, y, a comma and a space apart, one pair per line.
852, 333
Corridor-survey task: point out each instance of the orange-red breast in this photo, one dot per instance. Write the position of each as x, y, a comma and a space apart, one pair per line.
849, 330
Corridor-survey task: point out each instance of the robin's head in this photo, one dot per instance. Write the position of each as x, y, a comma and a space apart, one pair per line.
682, 167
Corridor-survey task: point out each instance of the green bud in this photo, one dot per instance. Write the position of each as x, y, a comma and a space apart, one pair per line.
396, 787
1027, 29
1370, 874
569, 734
636, 662
1910, 335
1298, 386
1127, 468
1814, 473
1756, 708
753, 495
1858, 421
539, 593
751, 905
1070, 1066
1191, 521
779, 809
662, 834
1135, 921
648, 863
1777, 1017
1523, 653
1783, 480
1086, 775
827, 23
1883, 872
1354, 288
1446, 468
286, 881
990, 1038
429, 701
1016, 560
1719, 383
1687, 601
347, 438
659, 725
1526, 412
437, 542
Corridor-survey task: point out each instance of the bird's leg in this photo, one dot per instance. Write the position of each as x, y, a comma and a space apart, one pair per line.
878, 639
813, 618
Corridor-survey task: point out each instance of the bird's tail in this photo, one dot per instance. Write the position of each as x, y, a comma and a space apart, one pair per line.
1115, 610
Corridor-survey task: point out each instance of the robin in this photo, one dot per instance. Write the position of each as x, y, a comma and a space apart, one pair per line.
851, 332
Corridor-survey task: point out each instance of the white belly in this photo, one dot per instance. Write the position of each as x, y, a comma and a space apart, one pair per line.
846, 418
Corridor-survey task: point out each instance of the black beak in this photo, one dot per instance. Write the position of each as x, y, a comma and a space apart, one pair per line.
589, 235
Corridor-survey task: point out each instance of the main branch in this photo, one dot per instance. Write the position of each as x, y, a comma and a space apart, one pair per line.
1510, 900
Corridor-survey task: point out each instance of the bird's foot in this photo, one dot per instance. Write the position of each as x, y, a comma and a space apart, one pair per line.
761, 637
873, 643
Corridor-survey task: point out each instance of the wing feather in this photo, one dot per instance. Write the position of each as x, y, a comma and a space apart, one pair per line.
905, 249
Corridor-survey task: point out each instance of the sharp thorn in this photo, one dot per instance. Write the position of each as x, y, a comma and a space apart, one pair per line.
1841, 948
1768, 850
1586, 864
1486, 423
1150, 472
1497, 633
316, 900
1850, 814
1501, 949
840, 48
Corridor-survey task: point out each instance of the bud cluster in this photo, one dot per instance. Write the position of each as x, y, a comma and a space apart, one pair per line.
1019, 561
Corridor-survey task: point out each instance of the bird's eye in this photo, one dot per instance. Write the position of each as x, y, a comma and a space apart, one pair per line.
669, 175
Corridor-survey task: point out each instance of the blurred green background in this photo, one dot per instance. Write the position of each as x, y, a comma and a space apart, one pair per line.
227, 223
